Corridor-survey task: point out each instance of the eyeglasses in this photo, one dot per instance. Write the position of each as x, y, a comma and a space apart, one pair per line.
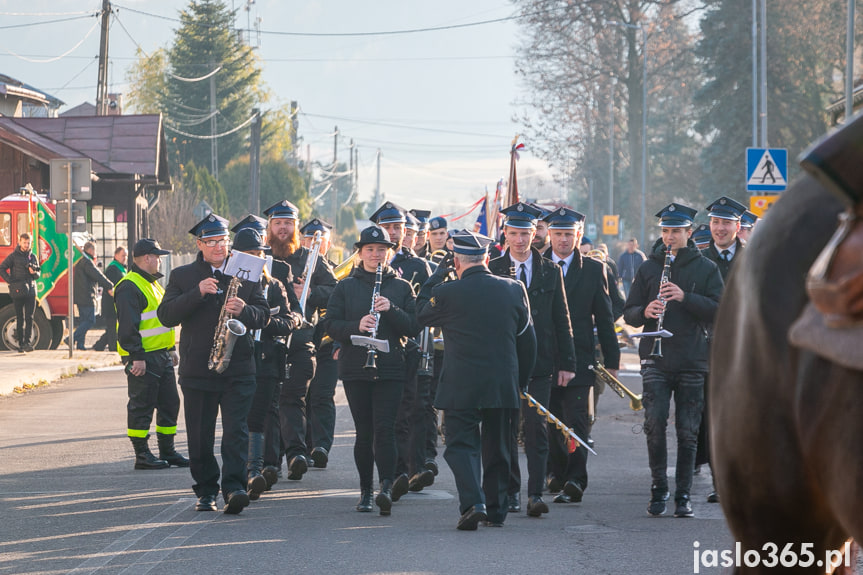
214, 243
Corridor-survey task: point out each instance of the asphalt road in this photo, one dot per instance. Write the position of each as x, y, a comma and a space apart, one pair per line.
72, 503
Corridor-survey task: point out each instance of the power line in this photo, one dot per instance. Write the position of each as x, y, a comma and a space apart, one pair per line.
55, 58
10, 26
213, 136
403, 127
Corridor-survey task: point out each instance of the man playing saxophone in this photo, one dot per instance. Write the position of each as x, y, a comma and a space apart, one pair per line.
680, 297
195, 299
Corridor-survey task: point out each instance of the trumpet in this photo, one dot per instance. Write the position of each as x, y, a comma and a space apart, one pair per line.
311, 263
603, 374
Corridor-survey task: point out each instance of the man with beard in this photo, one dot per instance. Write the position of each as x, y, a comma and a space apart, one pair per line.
289, 266
540, 240
416, 271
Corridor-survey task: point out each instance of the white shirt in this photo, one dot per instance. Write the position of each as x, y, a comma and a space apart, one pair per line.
528, 267
731, 250
564, 263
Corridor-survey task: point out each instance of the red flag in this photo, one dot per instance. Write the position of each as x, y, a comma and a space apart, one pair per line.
571, 445
512, 190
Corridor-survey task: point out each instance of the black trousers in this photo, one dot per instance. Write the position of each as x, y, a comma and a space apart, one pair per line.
292, 402
425, 412
407, 460
109, 315
478, 452
24, 309
266, 388
202, 404
570, 404
320, 405
155, 390
272, 431
374, 405
702, 453
535, 440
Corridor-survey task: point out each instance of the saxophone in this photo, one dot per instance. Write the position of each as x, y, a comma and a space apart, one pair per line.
228, 330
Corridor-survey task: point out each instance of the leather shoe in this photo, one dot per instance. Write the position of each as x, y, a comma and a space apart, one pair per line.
364, 505
713, 497
424, 478
514, 502
320, 457
492, 524
554, 484
574, 490
400, 486
271, 475
536, 506
562, 498
683, 507
206, 503
236, 502
431, 465
471, 518
297, 466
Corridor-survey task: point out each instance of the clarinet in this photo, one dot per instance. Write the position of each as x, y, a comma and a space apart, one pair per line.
371, 358
666, 271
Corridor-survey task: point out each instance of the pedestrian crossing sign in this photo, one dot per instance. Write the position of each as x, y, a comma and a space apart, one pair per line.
766, 169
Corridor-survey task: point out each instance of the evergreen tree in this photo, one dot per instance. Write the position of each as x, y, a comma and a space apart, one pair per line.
279, 181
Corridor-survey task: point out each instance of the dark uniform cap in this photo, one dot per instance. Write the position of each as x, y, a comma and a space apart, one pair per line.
423, 217
521, 215
726, 209
564, 219
210, 227
701, 236
249, 239
147, 246
412, 223
437, 223
452, 232
747, 220
586, 241
374, 235
284, 210
542, 211
389, 213
251, 221
316, 225
676, 216
470, 243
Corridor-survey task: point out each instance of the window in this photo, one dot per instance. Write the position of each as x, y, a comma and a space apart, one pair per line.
5, 229
109, 230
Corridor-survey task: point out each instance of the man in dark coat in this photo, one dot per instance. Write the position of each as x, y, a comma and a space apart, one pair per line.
114, 271
20, 270
548, 307
194, 299
585, 281
491, 349
687, 303
87, 279
724, 249
289, 266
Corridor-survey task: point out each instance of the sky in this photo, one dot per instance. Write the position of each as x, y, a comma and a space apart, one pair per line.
440, 105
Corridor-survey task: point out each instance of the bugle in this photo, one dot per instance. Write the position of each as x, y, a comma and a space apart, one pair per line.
568, 433
618, 387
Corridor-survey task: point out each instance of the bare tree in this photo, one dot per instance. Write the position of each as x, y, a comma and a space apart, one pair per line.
172, 218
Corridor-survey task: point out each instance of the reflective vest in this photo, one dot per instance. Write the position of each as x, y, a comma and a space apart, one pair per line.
154, 336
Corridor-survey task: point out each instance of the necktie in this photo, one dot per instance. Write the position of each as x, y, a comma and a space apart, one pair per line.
726, 255
522, 275
562, 266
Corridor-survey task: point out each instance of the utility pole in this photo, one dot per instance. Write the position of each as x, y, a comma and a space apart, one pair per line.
378, 180
255, 164
763, 73
334, 189
611, 150
351, 170
214, 143
849, 63
309, 167
754, 73
102, 81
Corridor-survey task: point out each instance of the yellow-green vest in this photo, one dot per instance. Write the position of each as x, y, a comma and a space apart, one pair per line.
154, 336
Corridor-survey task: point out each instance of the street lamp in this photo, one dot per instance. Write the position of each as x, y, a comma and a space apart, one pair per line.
643, 119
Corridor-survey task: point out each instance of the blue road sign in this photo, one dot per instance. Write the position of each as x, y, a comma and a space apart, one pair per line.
766, 169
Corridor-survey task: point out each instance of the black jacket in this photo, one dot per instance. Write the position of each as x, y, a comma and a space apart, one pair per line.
690, 320
183, 305
586, 285
15, 271
350, 301
714, 254
320, 288
130, 303
271, 349
489, 338
411, 268
113, 273
617, 301
87, 278
550, 313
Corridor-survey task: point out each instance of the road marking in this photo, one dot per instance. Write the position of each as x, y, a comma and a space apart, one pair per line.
146, 562
108, 368
107, 554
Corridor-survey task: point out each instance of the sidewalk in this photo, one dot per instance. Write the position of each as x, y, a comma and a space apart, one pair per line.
23, 371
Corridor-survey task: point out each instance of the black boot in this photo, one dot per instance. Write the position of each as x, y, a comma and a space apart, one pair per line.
384, 499
144, 458
271, 475
257, 484
365, 503
167, 451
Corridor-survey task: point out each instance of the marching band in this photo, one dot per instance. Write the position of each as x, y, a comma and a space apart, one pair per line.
431, 337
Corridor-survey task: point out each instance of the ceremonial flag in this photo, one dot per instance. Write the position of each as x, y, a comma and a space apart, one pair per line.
482, 219
53, 249
512, 190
